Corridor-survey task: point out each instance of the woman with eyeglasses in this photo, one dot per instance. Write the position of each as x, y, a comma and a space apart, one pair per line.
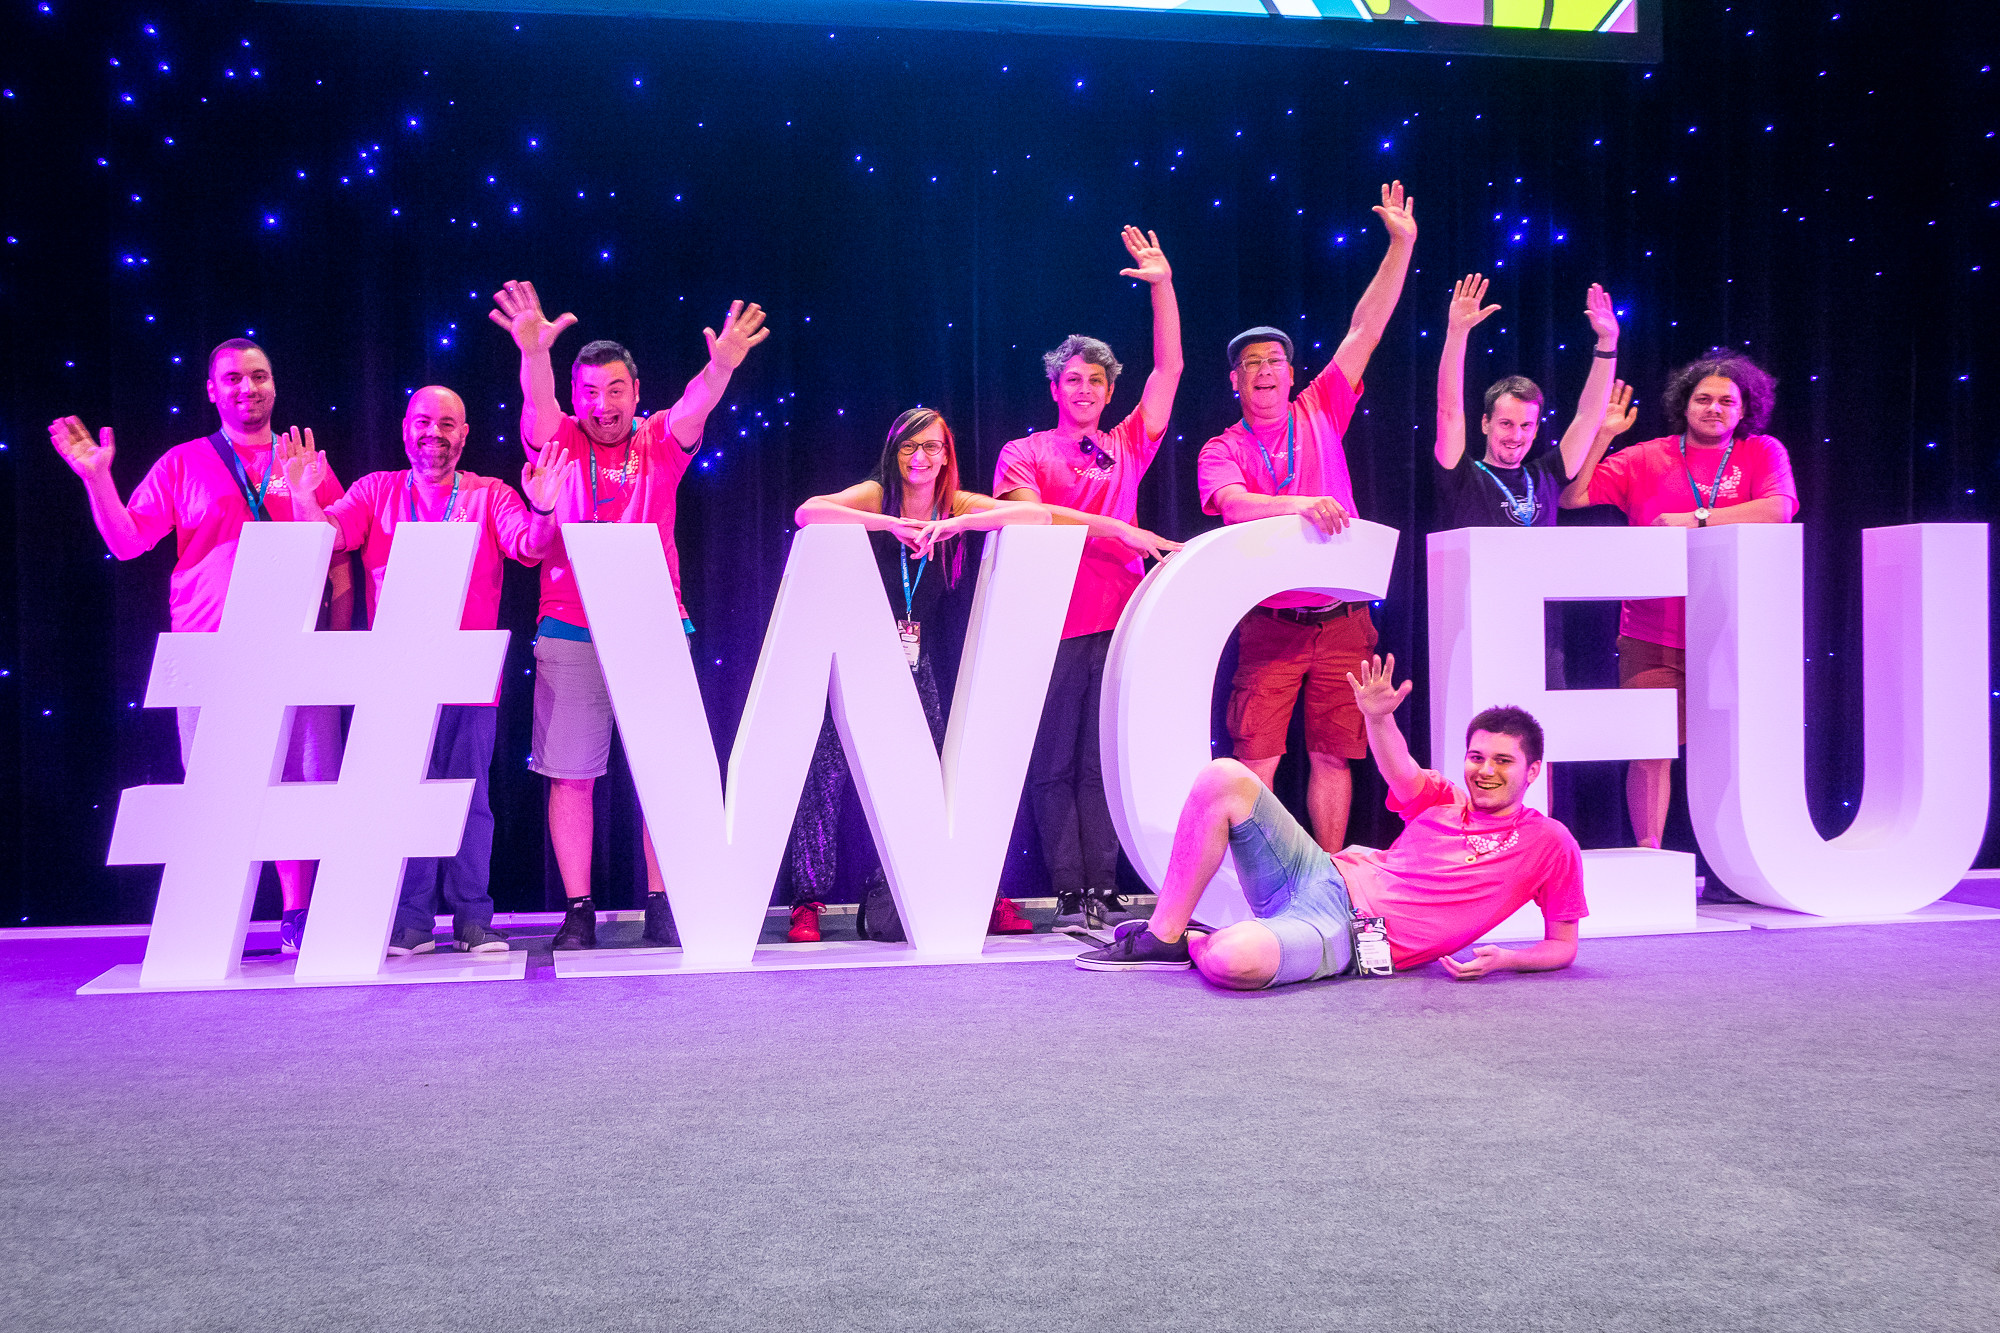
915, 513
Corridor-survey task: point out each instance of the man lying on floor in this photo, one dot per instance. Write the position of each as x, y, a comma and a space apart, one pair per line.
1463, 864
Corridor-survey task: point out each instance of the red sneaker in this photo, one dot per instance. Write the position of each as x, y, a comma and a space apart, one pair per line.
1007, 919
805, 924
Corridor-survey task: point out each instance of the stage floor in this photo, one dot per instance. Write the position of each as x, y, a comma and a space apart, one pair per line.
1761, 1130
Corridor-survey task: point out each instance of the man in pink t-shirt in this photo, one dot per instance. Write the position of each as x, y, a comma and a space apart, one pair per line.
1286, 457
433, 490
1465, 862
1080, 467
629, 471
1717, 469
203, 492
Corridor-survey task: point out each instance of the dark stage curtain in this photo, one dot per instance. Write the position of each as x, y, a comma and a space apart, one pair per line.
924, 214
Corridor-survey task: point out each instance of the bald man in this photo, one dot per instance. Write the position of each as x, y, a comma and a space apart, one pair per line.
433, 490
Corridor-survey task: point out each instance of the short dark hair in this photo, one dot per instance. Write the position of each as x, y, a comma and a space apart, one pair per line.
602, 353
233, 345
1507, 720
1513, 386
1757, 385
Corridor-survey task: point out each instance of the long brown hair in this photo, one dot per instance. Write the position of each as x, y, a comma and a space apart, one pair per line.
889, 476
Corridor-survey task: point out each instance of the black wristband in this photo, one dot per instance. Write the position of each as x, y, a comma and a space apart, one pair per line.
1600, 352
531, 507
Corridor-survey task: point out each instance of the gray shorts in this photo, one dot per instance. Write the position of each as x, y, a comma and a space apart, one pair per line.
573, 721
1295, 890
311, 755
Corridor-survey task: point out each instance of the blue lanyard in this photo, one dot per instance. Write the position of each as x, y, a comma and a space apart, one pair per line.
1714, 487
909, 586
1291, 451
234, 462
1523, 509
450, 500
623, 469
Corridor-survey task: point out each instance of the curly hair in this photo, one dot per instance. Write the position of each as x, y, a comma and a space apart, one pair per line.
1094, 351
1757, 385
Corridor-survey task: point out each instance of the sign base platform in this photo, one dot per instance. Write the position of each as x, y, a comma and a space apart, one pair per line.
824, 955
277, 974
1758, 917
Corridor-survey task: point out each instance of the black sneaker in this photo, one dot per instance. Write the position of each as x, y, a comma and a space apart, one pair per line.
478, 937
409, 940
661, 932
1110, 905
1140, 949
291, 929
579, 927
1078, 911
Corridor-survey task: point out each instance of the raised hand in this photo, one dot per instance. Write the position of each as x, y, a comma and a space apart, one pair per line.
1603, 316
1621, 413
1398, 213
741, 331
1465, 312
520, 313
544, 480
1150, 262
87, 458
1376, 694
303, 466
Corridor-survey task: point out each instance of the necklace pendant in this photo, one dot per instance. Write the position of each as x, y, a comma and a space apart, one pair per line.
1473, 857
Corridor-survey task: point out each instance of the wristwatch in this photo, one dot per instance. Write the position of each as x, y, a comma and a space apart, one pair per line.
1701, 517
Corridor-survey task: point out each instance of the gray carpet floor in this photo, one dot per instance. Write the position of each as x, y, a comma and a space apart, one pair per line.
1757, 1131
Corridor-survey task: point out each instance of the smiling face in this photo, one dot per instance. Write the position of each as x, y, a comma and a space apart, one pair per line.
1510, 430
1262, 378
921, 458
604, 399
1713, 412
1497, 773
1081, 390
241, 387
434, 433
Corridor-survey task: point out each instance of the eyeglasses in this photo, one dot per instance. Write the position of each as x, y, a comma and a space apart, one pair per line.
931, 448
1096, 455
1253, 364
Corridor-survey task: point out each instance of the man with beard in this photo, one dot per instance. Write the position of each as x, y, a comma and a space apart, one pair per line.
629, 471
1465, 862
1095, 473
433, 490
1286, 457
204, 491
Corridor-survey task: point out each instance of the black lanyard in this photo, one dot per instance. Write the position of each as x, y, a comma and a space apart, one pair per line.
234, 462
449, 502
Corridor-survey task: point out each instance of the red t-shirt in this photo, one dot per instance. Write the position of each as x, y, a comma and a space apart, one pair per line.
1649, 479
636, 482
1455, 873
1258, 461
1065, 474
368, 514
193, 494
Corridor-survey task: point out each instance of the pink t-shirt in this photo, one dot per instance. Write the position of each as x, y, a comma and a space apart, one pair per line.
1649, 479
193, 494
1063, 473
1318, 420
636, 482
368, 514
1437, 897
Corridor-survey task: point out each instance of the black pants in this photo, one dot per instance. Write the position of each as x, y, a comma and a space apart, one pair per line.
1065, 777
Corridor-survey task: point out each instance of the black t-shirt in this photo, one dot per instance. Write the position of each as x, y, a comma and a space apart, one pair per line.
1476, 495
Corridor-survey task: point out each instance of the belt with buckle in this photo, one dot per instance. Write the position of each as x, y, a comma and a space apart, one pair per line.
1312, 615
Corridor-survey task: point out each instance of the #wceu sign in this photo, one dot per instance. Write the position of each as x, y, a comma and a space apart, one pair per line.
941, 823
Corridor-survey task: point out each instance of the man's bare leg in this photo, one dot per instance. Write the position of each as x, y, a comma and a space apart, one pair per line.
571, 824
1329, 799
1649, 785
655, 882
1224, 793
295, 883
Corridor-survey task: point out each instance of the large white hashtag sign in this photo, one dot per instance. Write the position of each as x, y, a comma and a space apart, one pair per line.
232, 813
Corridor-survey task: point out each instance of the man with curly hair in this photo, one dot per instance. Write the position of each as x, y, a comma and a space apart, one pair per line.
1719, 468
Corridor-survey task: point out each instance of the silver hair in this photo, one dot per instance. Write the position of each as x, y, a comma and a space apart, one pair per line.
1093, 350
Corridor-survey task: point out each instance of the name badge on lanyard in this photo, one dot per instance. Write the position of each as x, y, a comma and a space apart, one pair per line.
909, 629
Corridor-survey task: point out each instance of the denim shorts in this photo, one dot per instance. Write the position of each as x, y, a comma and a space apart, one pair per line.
1295, 890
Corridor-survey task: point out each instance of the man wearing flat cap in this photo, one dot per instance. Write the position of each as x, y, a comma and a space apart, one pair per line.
1285, 457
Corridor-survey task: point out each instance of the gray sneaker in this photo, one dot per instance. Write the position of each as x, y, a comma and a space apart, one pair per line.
478, 937
411, 939
291, 929
1137, 950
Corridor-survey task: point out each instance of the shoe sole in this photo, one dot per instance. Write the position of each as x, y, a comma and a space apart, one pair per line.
395, 952
1098, 965
491, 946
